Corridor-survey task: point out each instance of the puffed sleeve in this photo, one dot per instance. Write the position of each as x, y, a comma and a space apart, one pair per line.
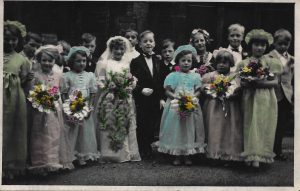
92, 83
274, 65
64, 83
171, 80
100, 71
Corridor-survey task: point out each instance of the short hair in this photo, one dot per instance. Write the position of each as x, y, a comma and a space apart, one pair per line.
116, 43
236, 27
144, 33
223, 56
123, 32
36, 37
87, 37
71, 60
183, 53
15, 31
65, 45
167, 42
282, 33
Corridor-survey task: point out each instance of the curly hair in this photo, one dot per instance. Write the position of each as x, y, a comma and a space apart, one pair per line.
117, 43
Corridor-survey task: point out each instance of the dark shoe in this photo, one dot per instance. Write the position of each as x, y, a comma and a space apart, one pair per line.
281, 157
177, 161
188, 161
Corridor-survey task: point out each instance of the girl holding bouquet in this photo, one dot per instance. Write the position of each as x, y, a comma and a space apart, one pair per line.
116, 118
258, 79
80, 84
181, 131
16, 70
222, 113
49, 146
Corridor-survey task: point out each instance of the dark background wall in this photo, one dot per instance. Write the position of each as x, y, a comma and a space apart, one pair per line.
166, 19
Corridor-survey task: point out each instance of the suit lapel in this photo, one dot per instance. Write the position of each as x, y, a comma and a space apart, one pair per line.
145, 66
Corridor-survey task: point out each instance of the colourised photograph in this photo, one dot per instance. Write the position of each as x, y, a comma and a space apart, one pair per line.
141, 93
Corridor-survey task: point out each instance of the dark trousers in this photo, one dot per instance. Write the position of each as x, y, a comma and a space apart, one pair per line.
284, 115
148, 120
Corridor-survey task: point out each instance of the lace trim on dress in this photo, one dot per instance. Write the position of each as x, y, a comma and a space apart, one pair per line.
172, 151
224, 156
259, 158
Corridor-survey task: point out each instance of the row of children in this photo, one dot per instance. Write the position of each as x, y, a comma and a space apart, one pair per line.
126, 123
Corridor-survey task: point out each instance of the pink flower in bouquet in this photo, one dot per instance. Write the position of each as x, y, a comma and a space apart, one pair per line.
129, 76
53, 90
202, 70
177, 68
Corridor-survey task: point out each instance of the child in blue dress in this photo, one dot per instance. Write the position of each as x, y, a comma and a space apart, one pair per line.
182, 137
82, 135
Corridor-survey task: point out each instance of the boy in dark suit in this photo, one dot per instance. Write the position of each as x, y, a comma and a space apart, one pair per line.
149, 93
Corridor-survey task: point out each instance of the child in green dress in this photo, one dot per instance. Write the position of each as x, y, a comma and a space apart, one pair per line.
16, 73
259, 102
182, 137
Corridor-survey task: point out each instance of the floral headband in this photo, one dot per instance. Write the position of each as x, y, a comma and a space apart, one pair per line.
17, 24
58, 48
259, 33
75, 49
202, 31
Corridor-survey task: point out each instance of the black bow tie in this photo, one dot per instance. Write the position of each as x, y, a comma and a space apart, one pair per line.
235, 50
148, 55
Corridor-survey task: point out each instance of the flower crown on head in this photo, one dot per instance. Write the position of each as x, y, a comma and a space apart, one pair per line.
202, 31
59, 48
259, 33
19, 25
75, 49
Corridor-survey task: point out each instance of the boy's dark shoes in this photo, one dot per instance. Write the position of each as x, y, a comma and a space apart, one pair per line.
281, 157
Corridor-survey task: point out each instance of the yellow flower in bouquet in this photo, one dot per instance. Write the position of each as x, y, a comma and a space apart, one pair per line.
189, 105
246, 69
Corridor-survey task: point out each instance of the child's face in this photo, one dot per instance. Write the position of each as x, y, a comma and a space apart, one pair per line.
79, 63
91, 46
10, 41
282, 45
185, 62
168, 53
235, 38
131, 36
258, 49
47, 63
118, 52
30, 47
199, 42
223, 67
147, 43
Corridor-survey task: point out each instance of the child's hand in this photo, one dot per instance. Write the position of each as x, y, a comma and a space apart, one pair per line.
147, 91
30, 76
162, 104
195, 100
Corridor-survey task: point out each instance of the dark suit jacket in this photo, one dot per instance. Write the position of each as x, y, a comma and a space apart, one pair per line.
139, 69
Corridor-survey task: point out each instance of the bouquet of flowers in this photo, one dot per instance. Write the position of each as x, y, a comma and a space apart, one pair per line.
76, 107
185, 105
44, 98
221, 88
114, 110
255, 71
120, 84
